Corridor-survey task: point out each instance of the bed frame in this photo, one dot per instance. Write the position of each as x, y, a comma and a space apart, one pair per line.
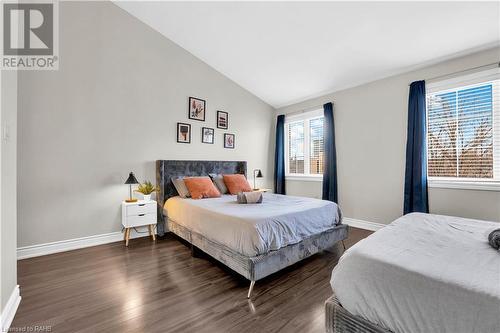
339, 320
252, 268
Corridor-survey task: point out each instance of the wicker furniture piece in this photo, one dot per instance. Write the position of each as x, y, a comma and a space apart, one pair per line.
252, 268
339, 320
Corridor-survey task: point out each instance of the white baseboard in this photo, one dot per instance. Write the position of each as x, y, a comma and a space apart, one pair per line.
73, 244
10, 309
79, 243
367, 225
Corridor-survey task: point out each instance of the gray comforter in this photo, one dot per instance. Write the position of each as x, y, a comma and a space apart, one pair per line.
254, 229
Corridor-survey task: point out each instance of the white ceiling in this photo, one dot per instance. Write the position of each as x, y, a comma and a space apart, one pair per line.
286, 52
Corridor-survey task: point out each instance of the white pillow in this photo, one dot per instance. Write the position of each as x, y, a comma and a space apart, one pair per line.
181, 187
218, 180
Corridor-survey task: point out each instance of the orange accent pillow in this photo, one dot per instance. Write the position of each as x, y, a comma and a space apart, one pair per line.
201, 187
236, 183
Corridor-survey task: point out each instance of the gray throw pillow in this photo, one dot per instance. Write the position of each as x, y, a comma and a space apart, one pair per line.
218, 180
240, 198
181, 188
249, 197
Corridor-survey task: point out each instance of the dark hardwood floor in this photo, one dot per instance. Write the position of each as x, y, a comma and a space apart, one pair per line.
159, 287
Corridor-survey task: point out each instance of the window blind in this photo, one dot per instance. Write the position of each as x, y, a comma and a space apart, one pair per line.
316, 146
463, 131
296, 147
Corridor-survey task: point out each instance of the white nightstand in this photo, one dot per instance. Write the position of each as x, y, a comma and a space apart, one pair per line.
138, 214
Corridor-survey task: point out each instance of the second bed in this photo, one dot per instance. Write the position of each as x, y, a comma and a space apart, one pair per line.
421, 273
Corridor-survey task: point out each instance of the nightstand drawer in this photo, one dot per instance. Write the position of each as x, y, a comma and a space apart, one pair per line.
139, 220
145, 208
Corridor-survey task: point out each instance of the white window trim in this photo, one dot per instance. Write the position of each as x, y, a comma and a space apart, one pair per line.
305, 116
303, 177
469, 79
463, 184
457, 183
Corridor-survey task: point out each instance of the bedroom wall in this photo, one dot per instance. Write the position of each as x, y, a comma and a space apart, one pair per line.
111, 108
370, 125
8, 209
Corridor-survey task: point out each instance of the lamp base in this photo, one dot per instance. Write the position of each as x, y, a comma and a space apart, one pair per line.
131, 200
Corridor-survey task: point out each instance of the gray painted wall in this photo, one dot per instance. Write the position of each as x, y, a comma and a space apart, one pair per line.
111, 108
8, 209
370, 125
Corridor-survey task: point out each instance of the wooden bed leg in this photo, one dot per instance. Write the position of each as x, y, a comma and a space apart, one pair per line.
252, 283
343, 244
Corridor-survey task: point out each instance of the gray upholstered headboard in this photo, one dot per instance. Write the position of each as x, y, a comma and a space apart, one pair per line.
166, 169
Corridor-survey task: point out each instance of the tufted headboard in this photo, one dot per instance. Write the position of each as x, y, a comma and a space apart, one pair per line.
166, 169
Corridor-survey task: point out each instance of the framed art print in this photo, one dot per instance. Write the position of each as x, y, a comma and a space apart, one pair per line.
207, 135
197, 109
183, 133
222, 120
228, 140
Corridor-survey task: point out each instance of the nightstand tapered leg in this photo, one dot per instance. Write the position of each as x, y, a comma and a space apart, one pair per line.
127, 236
152, 231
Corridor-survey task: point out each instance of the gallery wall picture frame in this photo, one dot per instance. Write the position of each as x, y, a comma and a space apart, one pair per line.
207, 135
222, 120
183, 133
197, 109
229, 140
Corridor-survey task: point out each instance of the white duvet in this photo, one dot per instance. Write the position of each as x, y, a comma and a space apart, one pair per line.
253, 229
424, 273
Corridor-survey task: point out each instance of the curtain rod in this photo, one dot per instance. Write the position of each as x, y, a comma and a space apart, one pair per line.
462, 71
309, 109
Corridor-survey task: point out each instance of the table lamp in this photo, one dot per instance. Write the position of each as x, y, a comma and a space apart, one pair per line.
259, 175
131, 180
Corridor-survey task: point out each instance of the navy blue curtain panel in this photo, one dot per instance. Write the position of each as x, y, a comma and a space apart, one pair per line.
279, 158
330, 160
415, 195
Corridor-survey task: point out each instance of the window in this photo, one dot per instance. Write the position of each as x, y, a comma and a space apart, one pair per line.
304, 145
463, 132
296, 147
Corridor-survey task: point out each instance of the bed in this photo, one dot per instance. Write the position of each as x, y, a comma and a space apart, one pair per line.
421, 273
253, 240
